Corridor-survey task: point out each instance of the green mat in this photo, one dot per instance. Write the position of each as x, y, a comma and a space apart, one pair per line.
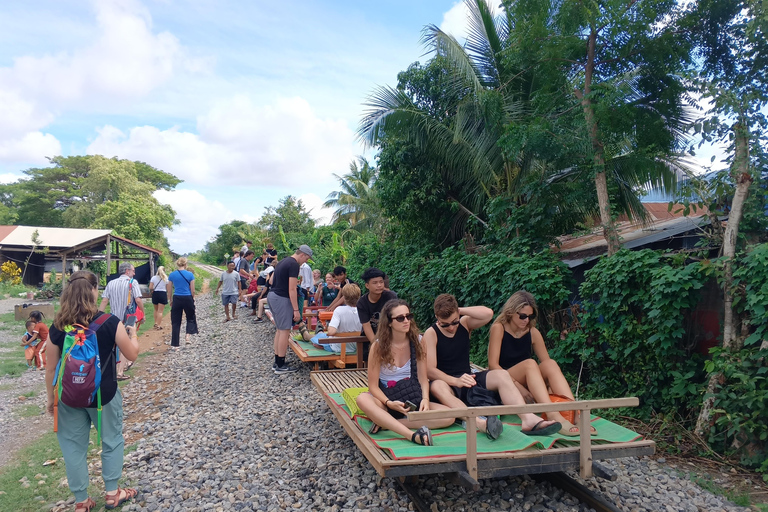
311, 350
453, 440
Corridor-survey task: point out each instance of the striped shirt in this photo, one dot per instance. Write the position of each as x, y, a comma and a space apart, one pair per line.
117, 294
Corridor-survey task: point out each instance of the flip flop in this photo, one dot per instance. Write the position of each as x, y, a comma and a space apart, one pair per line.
375, 429
493, 427
543, 431
124, 377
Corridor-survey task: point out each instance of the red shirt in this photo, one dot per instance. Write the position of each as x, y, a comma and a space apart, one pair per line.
42, 331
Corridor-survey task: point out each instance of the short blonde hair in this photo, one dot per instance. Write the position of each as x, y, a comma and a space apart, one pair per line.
181, 262
351, 294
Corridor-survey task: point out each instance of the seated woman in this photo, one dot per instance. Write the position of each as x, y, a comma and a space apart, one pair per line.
344, 320
512, 336
397, 374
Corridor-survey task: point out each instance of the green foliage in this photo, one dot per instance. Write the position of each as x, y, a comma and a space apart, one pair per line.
486, 279
740, 408
95, 192
633, 330
53, 286
357, 202
290, 215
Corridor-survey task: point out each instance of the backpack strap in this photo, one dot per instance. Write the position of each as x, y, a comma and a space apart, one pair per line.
98, 321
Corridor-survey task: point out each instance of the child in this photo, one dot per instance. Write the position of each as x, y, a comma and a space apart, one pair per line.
344, 320
40, 331
29, 341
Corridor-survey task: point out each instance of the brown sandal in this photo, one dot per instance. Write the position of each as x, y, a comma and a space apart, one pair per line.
85, 506
114, 500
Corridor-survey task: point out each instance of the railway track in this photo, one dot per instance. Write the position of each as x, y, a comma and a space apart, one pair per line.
585, 495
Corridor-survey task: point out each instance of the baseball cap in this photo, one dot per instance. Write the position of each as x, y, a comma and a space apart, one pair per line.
306, 250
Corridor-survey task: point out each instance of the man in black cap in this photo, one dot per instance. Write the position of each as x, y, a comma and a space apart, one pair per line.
283, 303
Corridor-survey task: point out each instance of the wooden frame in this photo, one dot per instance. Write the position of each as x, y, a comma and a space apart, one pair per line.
473, 466
337, 360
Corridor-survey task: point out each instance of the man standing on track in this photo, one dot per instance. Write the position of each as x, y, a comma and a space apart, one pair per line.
283, 302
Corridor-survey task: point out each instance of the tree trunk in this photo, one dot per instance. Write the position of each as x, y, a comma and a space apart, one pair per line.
601, 182
743, 180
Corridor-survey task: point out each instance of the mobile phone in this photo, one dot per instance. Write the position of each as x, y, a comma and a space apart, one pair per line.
410, 405
130, 321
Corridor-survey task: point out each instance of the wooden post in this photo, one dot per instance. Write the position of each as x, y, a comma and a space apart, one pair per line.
63, 271
472, 447
585, 445
109, 253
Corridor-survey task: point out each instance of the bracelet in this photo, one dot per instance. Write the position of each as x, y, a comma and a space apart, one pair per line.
385, 403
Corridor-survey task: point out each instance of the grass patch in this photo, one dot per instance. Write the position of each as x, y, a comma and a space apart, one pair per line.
27, 466
27, 410
6, 387
145, 354
12, 367
739, 498
8, 290
200, 275
29, 394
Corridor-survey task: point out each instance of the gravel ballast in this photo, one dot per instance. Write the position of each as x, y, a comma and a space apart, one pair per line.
220, 431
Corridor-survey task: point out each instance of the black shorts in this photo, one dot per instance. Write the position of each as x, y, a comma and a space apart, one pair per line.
243, 283
159, 297
480, 378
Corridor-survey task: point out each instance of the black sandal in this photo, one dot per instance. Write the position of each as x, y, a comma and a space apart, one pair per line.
424, 435
374, 429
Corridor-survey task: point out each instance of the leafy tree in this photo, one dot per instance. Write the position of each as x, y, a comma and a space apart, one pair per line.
43, 197
506, 114
357, 202
731, 40
229, 240
290, 216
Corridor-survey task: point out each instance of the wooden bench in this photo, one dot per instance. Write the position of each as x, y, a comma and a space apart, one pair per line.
469, 467
336, 360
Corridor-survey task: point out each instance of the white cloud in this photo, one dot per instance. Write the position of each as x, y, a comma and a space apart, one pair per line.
455, 20
9, 177
314, 205
200, 218
32, 148
278, 144
127, 60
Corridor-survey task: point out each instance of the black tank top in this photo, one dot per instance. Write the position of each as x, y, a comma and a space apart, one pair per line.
453, 353
514, 350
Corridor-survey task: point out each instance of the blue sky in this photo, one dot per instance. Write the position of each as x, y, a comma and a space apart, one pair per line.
246, 101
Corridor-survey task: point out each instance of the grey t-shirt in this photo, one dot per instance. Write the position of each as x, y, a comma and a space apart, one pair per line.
229, 283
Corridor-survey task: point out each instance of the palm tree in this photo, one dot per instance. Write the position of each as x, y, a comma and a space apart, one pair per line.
356, 202
497, 82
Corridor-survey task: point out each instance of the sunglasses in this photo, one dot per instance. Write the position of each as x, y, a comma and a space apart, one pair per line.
402, 318
523, 316
450, 324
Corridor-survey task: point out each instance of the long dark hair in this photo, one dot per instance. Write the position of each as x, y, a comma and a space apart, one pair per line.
384, 333
78, 305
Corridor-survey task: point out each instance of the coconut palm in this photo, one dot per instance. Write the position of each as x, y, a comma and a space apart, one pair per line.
497, 82
356, 202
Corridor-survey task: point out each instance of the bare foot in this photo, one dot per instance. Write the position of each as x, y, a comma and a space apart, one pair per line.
225, 321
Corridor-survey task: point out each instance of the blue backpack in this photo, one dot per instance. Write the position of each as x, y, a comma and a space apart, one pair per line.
78, 373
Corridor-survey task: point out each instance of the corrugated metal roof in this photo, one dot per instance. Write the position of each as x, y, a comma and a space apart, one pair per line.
53, 238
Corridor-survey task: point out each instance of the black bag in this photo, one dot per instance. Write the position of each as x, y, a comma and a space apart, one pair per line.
406, 389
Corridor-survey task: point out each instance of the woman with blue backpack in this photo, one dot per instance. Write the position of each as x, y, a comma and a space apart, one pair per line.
81, 381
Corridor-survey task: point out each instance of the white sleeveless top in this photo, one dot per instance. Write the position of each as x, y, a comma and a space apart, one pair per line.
395, 373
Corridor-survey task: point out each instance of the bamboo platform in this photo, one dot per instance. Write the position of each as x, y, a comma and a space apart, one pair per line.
335, 360
472, 466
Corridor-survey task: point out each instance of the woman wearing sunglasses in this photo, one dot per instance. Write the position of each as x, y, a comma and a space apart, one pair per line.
397, 376
513, 336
